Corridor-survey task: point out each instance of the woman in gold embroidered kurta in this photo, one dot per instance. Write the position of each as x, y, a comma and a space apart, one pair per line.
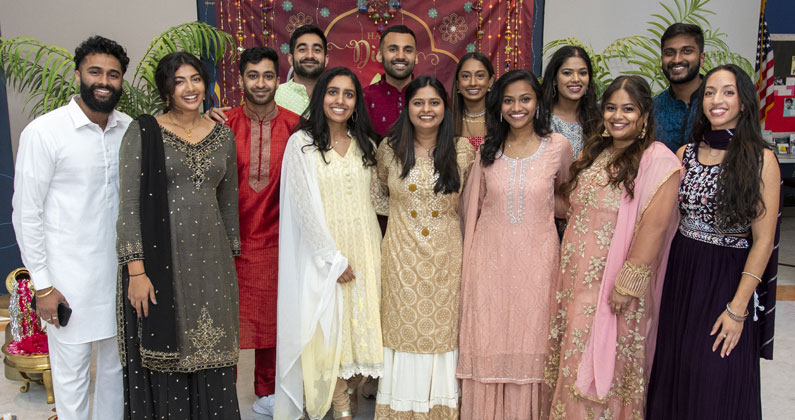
199, 169
422, 253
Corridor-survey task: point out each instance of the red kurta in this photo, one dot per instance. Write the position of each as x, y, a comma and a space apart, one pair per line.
260, 147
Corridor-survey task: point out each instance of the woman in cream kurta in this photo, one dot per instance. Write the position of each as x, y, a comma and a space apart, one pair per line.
329, 329
422, 275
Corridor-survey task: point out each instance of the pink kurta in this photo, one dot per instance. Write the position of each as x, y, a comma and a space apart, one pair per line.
509, 270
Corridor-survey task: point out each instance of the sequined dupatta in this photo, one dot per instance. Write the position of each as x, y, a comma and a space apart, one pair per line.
157, 333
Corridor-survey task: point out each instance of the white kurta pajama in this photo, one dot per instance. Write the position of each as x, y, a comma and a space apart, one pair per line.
66, 197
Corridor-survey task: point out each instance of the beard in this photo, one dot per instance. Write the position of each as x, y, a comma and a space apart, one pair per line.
308, 74
251, 98
96, 105
692, 73
398, 75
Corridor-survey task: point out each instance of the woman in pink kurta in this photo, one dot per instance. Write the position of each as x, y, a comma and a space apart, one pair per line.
510, 256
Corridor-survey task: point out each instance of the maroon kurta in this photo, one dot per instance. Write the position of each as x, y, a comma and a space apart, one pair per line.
260, 147
384, 103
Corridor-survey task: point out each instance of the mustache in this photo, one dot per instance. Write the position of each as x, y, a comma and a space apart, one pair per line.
681, 63
406, 62
310, 60
97, 86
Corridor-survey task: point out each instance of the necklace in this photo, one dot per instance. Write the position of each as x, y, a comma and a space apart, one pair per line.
475, 115
524, 150
428, 151
479, 121
187, 131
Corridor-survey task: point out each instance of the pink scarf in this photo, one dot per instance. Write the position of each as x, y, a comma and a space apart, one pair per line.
595, 373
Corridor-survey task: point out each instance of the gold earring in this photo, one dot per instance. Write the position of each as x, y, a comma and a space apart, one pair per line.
605, 133
643, 132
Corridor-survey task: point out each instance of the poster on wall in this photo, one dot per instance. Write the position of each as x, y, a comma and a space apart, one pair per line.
445, 31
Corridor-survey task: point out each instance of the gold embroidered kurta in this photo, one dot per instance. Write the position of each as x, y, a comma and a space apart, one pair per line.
422, 253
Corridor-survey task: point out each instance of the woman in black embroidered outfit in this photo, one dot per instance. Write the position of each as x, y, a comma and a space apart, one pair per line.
177, 235
716, 314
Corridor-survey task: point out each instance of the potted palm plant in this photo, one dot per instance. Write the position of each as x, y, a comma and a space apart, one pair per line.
47, 71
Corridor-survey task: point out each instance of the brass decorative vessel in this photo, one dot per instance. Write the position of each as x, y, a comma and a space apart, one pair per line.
27, 368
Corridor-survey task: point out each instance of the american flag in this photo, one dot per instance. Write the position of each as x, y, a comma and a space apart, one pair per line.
764, 67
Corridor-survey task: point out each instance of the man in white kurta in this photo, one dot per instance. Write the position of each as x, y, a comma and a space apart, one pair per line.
66, 197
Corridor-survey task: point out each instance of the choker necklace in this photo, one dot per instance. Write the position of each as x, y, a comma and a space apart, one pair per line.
475, 115
187, 131
718, 140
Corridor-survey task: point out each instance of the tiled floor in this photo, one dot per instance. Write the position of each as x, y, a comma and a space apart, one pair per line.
778, 397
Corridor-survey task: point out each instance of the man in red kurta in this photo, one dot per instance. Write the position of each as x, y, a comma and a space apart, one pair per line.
261, 131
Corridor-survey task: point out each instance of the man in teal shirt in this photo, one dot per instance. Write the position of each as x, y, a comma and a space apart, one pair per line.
309, 59
675, 108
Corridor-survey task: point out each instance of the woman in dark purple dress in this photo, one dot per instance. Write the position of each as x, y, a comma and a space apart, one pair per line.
711, 332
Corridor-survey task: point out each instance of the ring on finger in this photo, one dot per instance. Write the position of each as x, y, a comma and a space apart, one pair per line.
725, 335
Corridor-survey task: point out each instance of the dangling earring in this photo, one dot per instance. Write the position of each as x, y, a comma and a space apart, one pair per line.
643, 131
500, 116
605, 133
168, 102
537, 111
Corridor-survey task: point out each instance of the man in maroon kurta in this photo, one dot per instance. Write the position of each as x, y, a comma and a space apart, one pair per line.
384, 99
261, 131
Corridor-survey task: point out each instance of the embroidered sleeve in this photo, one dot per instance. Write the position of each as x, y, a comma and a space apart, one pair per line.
378, 194
633, 279
383, 156
466, 157
227, 193
128, 225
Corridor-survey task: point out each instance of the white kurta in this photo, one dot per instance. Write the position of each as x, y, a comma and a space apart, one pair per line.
66, 199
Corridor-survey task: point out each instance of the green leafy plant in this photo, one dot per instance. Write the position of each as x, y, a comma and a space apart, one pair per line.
643, 51
47, 71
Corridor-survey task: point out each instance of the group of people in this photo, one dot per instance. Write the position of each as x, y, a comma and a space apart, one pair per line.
257, 227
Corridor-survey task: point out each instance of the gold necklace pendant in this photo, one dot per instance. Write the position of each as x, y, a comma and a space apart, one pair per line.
187, 131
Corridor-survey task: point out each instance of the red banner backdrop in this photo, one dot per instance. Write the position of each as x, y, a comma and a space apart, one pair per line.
445, 30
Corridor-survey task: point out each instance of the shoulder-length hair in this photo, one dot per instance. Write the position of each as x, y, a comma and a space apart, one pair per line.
314, 120
497, 128
401, 139
587, 108
738, 195
623, 169
457, 106
165, 75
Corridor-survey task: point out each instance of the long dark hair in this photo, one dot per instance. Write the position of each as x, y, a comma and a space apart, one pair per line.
497, 128
457, 106
314, 118
401, 139
623, 169
738, 195
587, 108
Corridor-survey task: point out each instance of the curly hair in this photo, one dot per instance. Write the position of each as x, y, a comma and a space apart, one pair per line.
623, 169
101, 45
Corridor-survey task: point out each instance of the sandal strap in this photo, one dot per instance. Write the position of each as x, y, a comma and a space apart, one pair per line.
341, 414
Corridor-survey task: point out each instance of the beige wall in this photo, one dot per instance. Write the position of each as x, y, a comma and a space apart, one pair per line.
133, 24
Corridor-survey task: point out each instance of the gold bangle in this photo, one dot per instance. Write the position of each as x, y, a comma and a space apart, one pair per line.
47, 293
752, 275
633, 279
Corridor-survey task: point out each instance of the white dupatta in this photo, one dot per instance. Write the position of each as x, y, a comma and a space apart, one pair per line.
309, 295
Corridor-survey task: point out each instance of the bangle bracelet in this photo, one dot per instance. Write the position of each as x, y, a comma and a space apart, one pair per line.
47, 293
752, 275
139, 274
734, 315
